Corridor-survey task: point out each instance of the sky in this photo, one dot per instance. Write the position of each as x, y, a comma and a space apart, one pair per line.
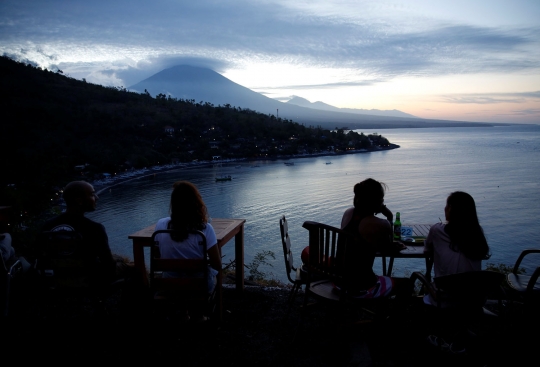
464, 60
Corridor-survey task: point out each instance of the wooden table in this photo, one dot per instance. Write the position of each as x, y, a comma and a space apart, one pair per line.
414, 250
225, 230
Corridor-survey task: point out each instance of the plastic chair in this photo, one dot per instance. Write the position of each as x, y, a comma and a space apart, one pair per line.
526, 288
187, 287
300, 275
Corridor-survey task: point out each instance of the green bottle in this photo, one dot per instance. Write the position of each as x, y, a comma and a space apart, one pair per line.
397, 228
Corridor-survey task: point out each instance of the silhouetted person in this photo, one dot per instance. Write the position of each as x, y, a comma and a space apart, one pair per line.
375, 235
80, 197
457, 246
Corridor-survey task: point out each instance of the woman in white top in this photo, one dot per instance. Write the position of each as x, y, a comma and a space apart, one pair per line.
188, 212
459, 245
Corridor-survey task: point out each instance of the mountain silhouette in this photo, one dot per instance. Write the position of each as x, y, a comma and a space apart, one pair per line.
205, 85
299, 101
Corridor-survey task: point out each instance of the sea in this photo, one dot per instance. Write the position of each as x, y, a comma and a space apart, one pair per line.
499, 166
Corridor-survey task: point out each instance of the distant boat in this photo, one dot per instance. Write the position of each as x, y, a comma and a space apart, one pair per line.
223, 178
289, 163
328, 162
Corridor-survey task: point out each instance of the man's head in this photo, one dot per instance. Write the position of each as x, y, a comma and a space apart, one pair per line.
80, 197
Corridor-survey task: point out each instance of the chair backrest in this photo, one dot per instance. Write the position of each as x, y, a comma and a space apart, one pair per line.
469, 289
327, 253
190, 275
64, 260
286, 242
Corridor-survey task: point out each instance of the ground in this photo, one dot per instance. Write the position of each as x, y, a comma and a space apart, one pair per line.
256, 330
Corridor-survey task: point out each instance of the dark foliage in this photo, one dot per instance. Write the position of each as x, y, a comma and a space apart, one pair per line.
56, 129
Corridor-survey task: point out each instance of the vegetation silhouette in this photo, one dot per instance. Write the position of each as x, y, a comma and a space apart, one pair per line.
56, 129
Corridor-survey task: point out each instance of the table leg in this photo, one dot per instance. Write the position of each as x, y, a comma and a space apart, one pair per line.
429, 266
239, 259
390, 266
138, 260
383, 258
219, 295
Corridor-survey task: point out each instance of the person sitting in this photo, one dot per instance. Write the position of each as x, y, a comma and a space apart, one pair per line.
457, 246
188, 212
8, 253
80, 198
375, 235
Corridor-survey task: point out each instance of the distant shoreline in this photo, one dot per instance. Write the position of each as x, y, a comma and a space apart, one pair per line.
102, 185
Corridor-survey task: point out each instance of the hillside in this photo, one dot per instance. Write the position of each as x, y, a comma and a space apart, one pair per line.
56, 129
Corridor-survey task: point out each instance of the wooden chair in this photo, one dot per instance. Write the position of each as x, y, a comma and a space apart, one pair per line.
525, 288
187, 286
66, 270
328, 252
300, 274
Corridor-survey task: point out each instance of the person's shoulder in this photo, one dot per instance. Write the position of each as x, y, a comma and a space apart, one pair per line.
437, 227
208, 227
376, 221
162, 223
349, 211
347, 216
90, 222
51, 223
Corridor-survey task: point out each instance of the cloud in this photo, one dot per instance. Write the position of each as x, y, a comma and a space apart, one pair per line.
328, 85
136, 38
527, 112
491, 98
144, 69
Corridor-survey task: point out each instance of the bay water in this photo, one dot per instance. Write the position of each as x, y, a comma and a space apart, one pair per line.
498, 166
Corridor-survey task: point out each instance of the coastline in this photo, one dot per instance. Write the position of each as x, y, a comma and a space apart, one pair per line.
104, 184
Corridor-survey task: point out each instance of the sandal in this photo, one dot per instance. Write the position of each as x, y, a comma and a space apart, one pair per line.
457, 349
438, 342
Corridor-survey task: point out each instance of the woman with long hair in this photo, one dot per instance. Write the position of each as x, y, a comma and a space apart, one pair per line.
188, 212
459, 245
374, 235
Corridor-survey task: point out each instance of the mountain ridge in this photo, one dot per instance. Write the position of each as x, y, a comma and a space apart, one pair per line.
303, 102
207, 86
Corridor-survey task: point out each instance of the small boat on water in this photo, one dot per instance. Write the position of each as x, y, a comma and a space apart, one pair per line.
223, 178
328, 162
289, 163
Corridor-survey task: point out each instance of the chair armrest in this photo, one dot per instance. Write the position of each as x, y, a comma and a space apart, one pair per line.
15, 268
521, 256
532, 281
425, 282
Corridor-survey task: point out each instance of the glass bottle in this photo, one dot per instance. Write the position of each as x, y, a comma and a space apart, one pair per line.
397, 227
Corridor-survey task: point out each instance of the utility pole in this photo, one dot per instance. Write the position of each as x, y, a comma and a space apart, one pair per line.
277, 112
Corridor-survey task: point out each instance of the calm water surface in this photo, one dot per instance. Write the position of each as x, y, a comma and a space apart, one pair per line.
498, 166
